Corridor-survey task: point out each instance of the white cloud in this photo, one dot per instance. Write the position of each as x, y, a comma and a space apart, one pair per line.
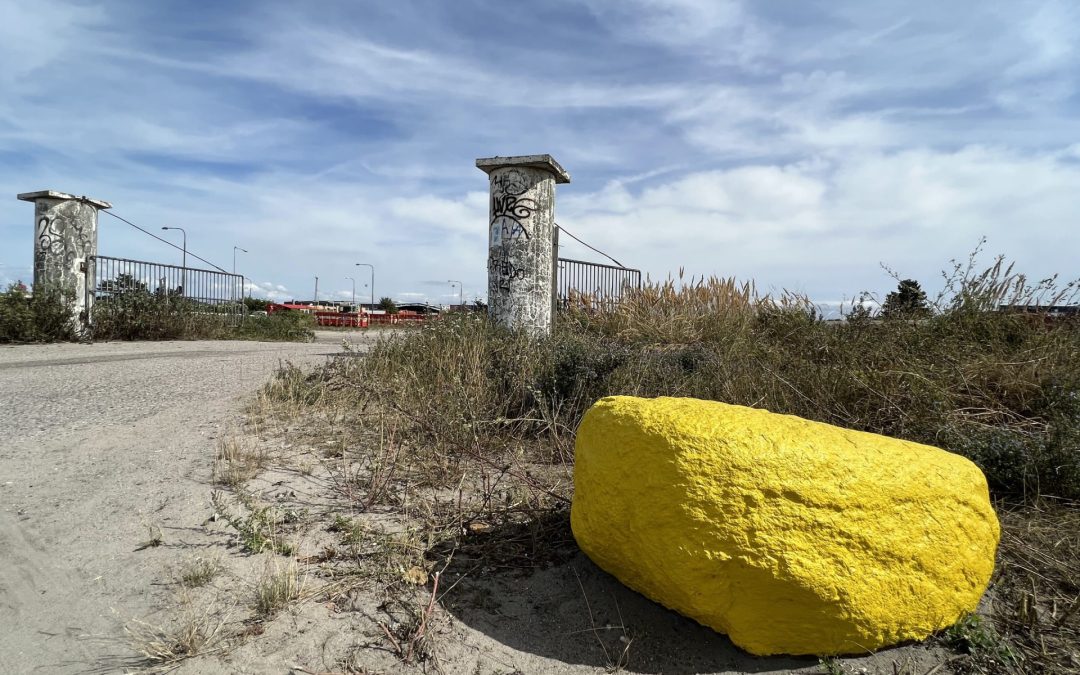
35, 35
446, 214
824, 227
721, 29
799, 145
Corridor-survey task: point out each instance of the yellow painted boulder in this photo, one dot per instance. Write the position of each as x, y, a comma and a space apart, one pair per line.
790, 536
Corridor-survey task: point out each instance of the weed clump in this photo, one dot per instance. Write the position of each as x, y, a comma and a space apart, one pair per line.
277, 587
199, 571
41, 316
260, 529
193, 633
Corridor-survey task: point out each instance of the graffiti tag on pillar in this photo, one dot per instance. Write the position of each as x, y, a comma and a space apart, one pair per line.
502, 273
49, 238
509, 208
61, 236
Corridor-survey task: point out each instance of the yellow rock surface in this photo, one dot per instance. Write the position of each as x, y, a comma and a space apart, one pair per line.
790, 536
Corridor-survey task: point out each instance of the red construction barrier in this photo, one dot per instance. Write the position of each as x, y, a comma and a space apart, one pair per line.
341, 319
353, 319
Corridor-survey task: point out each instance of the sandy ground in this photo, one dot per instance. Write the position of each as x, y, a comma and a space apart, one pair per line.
97, 444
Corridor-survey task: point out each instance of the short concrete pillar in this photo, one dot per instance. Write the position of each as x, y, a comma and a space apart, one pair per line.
521, 230
65, 234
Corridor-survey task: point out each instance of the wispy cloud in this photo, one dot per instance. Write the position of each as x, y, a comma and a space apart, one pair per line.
797, 144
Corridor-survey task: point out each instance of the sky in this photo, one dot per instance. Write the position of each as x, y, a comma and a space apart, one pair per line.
803, 144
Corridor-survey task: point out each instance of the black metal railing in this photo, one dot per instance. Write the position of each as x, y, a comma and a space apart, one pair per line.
596, 284
137, 285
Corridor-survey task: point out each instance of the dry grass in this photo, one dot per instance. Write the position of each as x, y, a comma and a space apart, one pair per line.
199, 571
277, 587
676, 312
239, 460
195, 632
971, 289
1036, 591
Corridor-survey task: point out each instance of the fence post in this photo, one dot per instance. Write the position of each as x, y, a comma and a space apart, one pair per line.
65, 235
521, 238
554, 273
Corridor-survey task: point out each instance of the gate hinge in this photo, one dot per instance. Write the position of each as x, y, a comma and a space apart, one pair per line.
82, 266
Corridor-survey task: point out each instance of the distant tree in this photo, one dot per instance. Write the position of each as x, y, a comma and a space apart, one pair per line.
123, 283
860, 310
388, 305
255, 304
907, 301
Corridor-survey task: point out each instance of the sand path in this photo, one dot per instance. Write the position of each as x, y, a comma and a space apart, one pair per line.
97, 444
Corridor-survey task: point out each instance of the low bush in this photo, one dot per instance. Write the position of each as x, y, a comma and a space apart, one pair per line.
287, 325
44, 316
143, 315
139, 314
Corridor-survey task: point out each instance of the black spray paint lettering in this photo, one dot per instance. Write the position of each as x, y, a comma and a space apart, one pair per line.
502, 273
509, 208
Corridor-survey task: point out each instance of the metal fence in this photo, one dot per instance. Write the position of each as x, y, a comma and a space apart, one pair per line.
115, 281
599, 285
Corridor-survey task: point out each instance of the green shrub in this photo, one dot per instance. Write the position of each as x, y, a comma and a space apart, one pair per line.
44, 316
285, 325
16, 316
140, 314
255, 304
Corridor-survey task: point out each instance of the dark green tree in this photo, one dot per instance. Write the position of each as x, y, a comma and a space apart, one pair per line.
388, 305
907, 301
122, 283
255, 304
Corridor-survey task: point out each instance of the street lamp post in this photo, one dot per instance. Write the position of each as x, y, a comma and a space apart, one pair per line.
234, 250
353, 292
372, 281
461, 296
183, 278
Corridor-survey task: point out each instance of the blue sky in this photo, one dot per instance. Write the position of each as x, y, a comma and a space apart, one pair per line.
800, 143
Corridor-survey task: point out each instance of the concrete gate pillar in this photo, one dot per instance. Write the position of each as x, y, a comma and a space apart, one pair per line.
521, 231
65, 234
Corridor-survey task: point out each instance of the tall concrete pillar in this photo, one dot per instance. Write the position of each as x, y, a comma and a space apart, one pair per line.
65, 233
521, 230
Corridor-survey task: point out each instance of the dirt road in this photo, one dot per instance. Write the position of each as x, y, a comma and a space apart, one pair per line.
98, 445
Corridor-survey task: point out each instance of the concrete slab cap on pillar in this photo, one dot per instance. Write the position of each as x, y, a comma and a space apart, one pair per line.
545, 162
521, 232
53, 194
